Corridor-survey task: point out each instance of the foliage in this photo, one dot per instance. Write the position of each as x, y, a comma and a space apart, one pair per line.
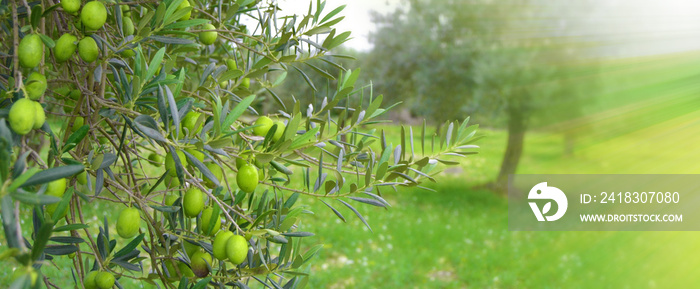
479, 57
325, 81
155, 93
484, 58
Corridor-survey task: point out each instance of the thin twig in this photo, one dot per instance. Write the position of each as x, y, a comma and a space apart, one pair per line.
15, 44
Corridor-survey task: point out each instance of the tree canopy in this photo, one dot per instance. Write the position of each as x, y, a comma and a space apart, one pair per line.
150, 107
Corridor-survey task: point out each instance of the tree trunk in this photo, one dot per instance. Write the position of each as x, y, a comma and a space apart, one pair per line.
514, 149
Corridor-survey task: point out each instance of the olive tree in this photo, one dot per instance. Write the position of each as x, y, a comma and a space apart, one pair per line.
516, 68
148, 108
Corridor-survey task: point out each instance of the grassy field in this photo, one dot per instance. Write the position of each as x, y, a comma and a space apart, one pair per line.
457, 237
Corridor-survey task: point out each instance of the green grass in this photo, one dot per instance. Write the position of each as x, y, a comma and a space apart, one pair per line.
457, 237
420, 240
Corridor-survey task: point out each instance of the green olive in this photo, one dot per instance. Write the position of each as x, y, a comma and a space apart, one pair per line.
237, 249
231, 64
30, 51
70, 6
128, 223
171, 182
104, 280
197, 154
22, 115
156, 159
82, 178
65, 47
184, 5
279, 131
190, 121
39, 115
208, 37
89, 282
170, 199
199, 263
35, 85
56, 188
193, 202
246, 83
247, 178
184, 270
94, 15
128, 26
88, 50
170, 162
264, 124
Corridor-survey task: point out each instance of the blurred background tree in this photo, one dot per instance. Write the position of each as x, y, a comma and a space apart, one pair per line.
621, 98
499, 62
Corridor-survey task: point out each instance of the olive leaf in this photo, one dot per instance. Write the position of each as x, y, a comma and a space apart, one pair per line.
52, 174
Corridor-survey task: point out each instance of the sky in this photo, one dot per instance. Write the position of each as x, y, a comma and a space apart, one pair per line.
625, 28
357, 16
620, 27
